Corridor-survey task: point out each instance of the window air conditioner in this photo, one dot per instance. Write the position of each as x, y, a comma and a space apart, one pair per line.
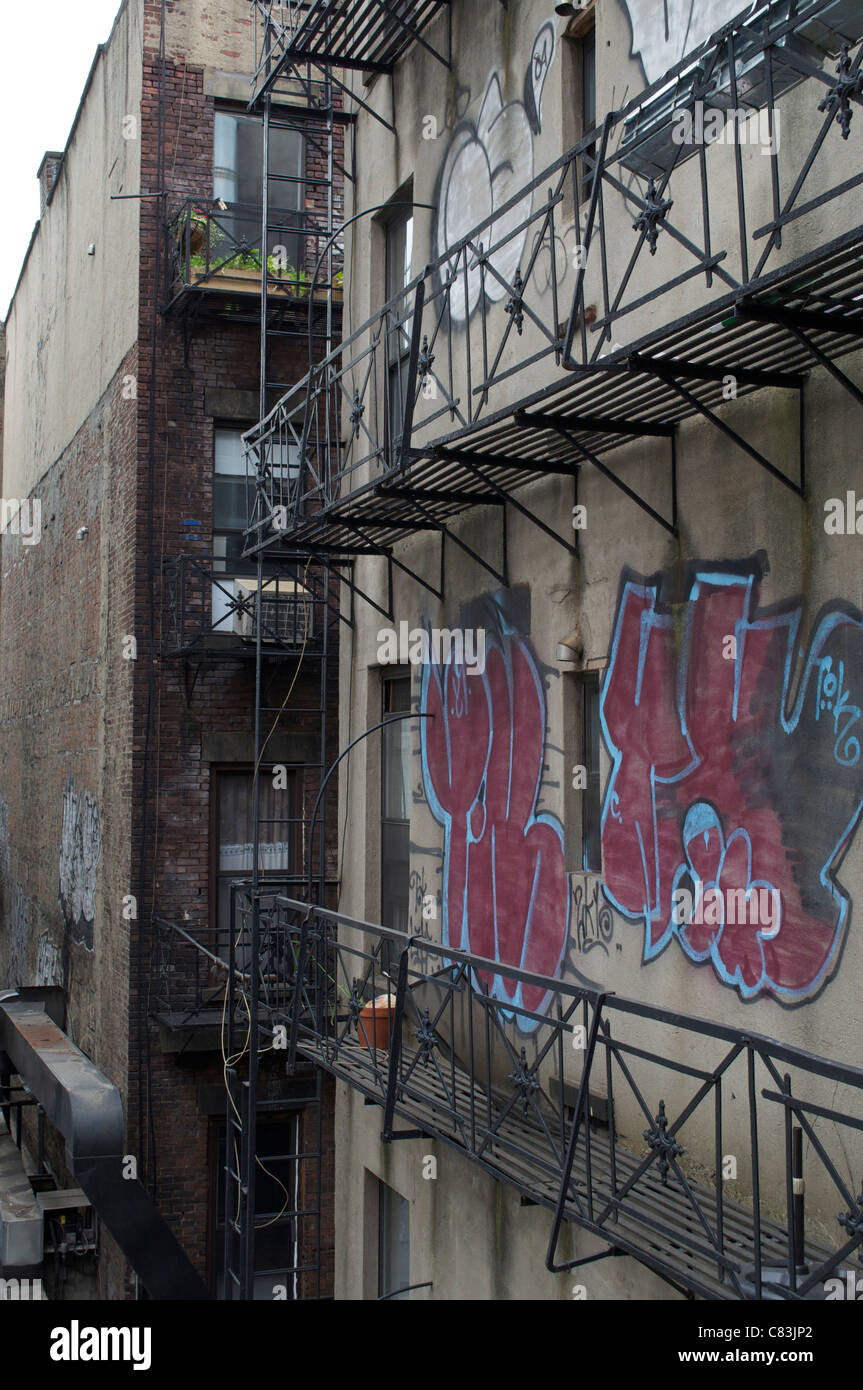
287, 612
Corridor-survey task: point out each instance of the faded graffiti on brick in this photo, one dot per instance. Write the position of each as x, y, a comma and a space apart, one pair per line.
737, 772
80, 852
49, 968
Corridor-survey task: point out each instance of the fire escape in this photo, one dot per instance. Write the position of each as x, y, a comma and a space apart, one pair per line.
622, 1136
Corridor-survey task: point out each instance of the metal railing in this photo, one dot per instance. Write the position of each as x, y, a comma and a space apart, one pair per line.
213, 607
641, 233
709, 1154
368, 35
212, 245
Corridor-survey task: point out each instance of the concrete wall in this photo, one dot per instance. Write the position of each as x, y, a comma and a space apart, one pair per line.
74, 317
795, 789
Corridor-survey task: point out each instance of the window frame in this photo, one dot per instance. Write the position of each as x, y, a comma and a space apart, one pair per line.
580, 41
242, 211
385, 1191
214, 873
397, 334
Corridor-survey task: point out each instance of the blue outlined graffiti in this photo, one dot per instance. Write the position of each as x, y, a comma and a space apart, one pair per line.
505, 894
725, 777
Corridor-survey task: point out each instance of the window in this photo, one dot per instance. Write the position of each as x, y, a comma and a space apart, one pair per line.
395, 805
233, 833
399, 254
588, 96
581, 79
394, 1243
276, 1205
591, 807
238, 180
231, 501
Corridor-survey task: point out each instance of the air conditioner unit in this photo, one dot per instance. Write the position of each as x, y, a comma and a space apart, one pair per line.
648, 147
287, 612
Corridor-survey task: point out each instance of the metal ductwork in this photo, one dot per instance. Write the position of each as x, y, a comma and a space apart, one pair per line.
87, 1110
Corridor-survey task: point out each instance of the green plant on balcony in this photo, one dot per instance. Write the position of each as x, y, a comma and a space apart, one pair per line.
295, 280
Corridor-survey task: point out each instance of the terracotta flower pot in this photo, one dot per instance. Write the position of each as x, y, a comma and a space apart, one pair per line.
375, 1022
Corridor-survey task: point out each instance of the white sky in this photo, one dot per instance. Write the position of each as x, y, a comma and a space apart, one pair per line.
45, 55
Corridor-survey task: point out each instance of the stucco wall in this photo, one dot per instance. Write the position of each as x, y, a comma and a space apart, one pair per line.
733, 515
74, 316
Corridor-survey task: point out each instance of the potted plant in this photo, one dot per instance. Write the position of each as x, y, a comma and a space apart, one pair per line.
375, 1023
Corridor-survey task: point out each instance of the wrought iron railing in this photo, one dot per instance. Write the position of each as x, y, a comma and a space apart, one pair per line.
212, 245
368, 35
678, 234
214, 606
728, 1162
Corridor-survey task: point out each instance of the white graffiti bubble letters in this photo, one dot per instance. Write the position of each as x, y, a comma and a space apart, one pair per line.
486, 164
664, 33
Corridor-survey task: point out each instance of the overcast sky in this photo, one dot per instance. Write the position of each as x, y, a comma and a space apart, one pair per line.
45, 55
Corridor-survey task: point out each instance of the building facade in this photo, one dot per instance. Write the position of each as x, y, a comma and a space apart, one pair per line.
527, 967
133, 365
592, 453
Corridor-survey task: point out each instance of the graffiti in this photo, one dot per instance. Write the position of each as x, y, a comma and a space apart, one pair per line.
594, 920
504, 891
831, 696
49, 970
18, 936
488, 161
664, 33
80, 852
728, 787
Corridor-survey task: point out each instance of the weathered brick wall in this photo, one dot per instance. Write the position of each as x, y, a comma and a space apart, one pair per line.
65, 736
65, 721
180, 706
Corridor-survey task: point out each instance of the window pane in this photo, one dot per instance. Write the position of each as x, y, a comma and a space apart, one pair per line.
397, 751
588, 79
230, 504
400, 238
395, 873
229, 456
235, 824
238, 180
394, 1243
